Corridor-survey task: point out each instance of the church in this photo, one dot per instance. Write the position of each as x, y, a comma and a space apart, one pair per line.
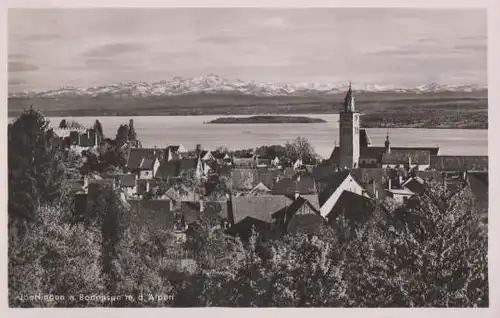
355, 150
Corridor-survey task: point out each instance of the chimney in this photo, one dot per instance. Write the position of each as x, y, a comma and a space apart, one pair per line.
297, 195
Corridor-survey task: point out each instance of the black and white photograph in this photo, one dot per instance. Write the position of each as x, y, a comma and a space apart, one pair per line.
247, 157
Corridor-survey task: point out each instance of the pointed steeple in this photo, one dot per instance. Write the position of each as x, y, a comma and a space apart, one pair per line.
349, 100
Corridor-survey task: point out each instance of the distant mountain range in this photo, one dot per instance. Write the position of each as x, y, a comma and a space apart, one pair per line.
213, 84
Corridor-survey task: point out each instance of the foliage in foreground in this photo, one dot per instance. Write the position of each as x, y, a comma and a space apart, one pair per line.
430, 253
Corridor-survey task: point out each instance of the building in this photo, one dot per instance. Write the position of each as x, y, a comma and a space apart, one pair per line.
341, 182
144, 162
349, 132
356, 150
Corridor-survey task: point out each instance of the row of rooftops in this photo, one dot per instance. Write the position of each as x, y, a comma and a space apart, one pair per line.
418, 156
268, 207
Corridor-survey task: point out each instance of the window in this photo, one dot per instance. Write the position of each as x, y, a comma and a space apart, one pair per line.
356, 130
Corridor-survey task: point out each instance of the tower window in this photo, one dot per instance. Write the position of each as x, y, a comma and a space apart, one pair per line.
356, 130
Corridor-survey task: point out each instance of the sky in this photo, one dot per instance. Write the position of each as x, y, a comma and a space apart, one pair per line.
53, 48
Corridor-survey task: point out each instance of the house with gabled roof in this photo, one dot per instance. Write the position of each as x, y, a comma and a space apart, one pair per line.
216, 213
257, 212
350, 205
302, 216
342, 181
144, 162
126, 181
175, 168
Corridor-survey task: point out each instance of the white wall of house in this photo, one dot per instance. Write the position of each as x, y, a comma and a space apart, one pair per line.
349, 184
146, 174
400, 197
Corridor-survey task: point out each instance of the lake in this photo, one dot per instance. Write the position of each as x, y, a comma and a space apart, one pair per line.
191, 130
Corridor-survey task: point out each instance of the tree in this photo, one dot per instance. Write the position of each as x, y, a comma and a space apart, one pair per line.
98, 129
36, 168
122, 135
430, 252
54, 258
108, 213
132, 135
63, 124
300, 148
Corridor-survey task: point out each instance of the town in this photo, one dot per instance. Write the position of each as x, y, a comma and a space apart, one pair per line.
274, 194
120, 220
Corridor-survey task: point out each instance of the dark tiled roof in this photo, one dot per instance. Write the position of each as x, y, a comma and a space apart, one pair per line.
147, 163
457, 163
323, 171
309, 222
136, 156
261, 207
354, 205
395, 156
333, 183
267, 178
125, 180
377, 152
371, 152
287, 186
188, 164
414, 185
364, 139
174, 168
313, 199
153, 213
432, 150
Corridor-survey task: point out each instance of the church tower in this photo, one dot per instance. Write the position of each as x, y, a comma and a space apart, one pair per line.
349, 133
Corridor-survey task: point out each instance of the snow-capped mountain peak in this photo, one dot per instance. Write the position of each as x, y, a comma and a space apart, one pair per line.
212, 83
